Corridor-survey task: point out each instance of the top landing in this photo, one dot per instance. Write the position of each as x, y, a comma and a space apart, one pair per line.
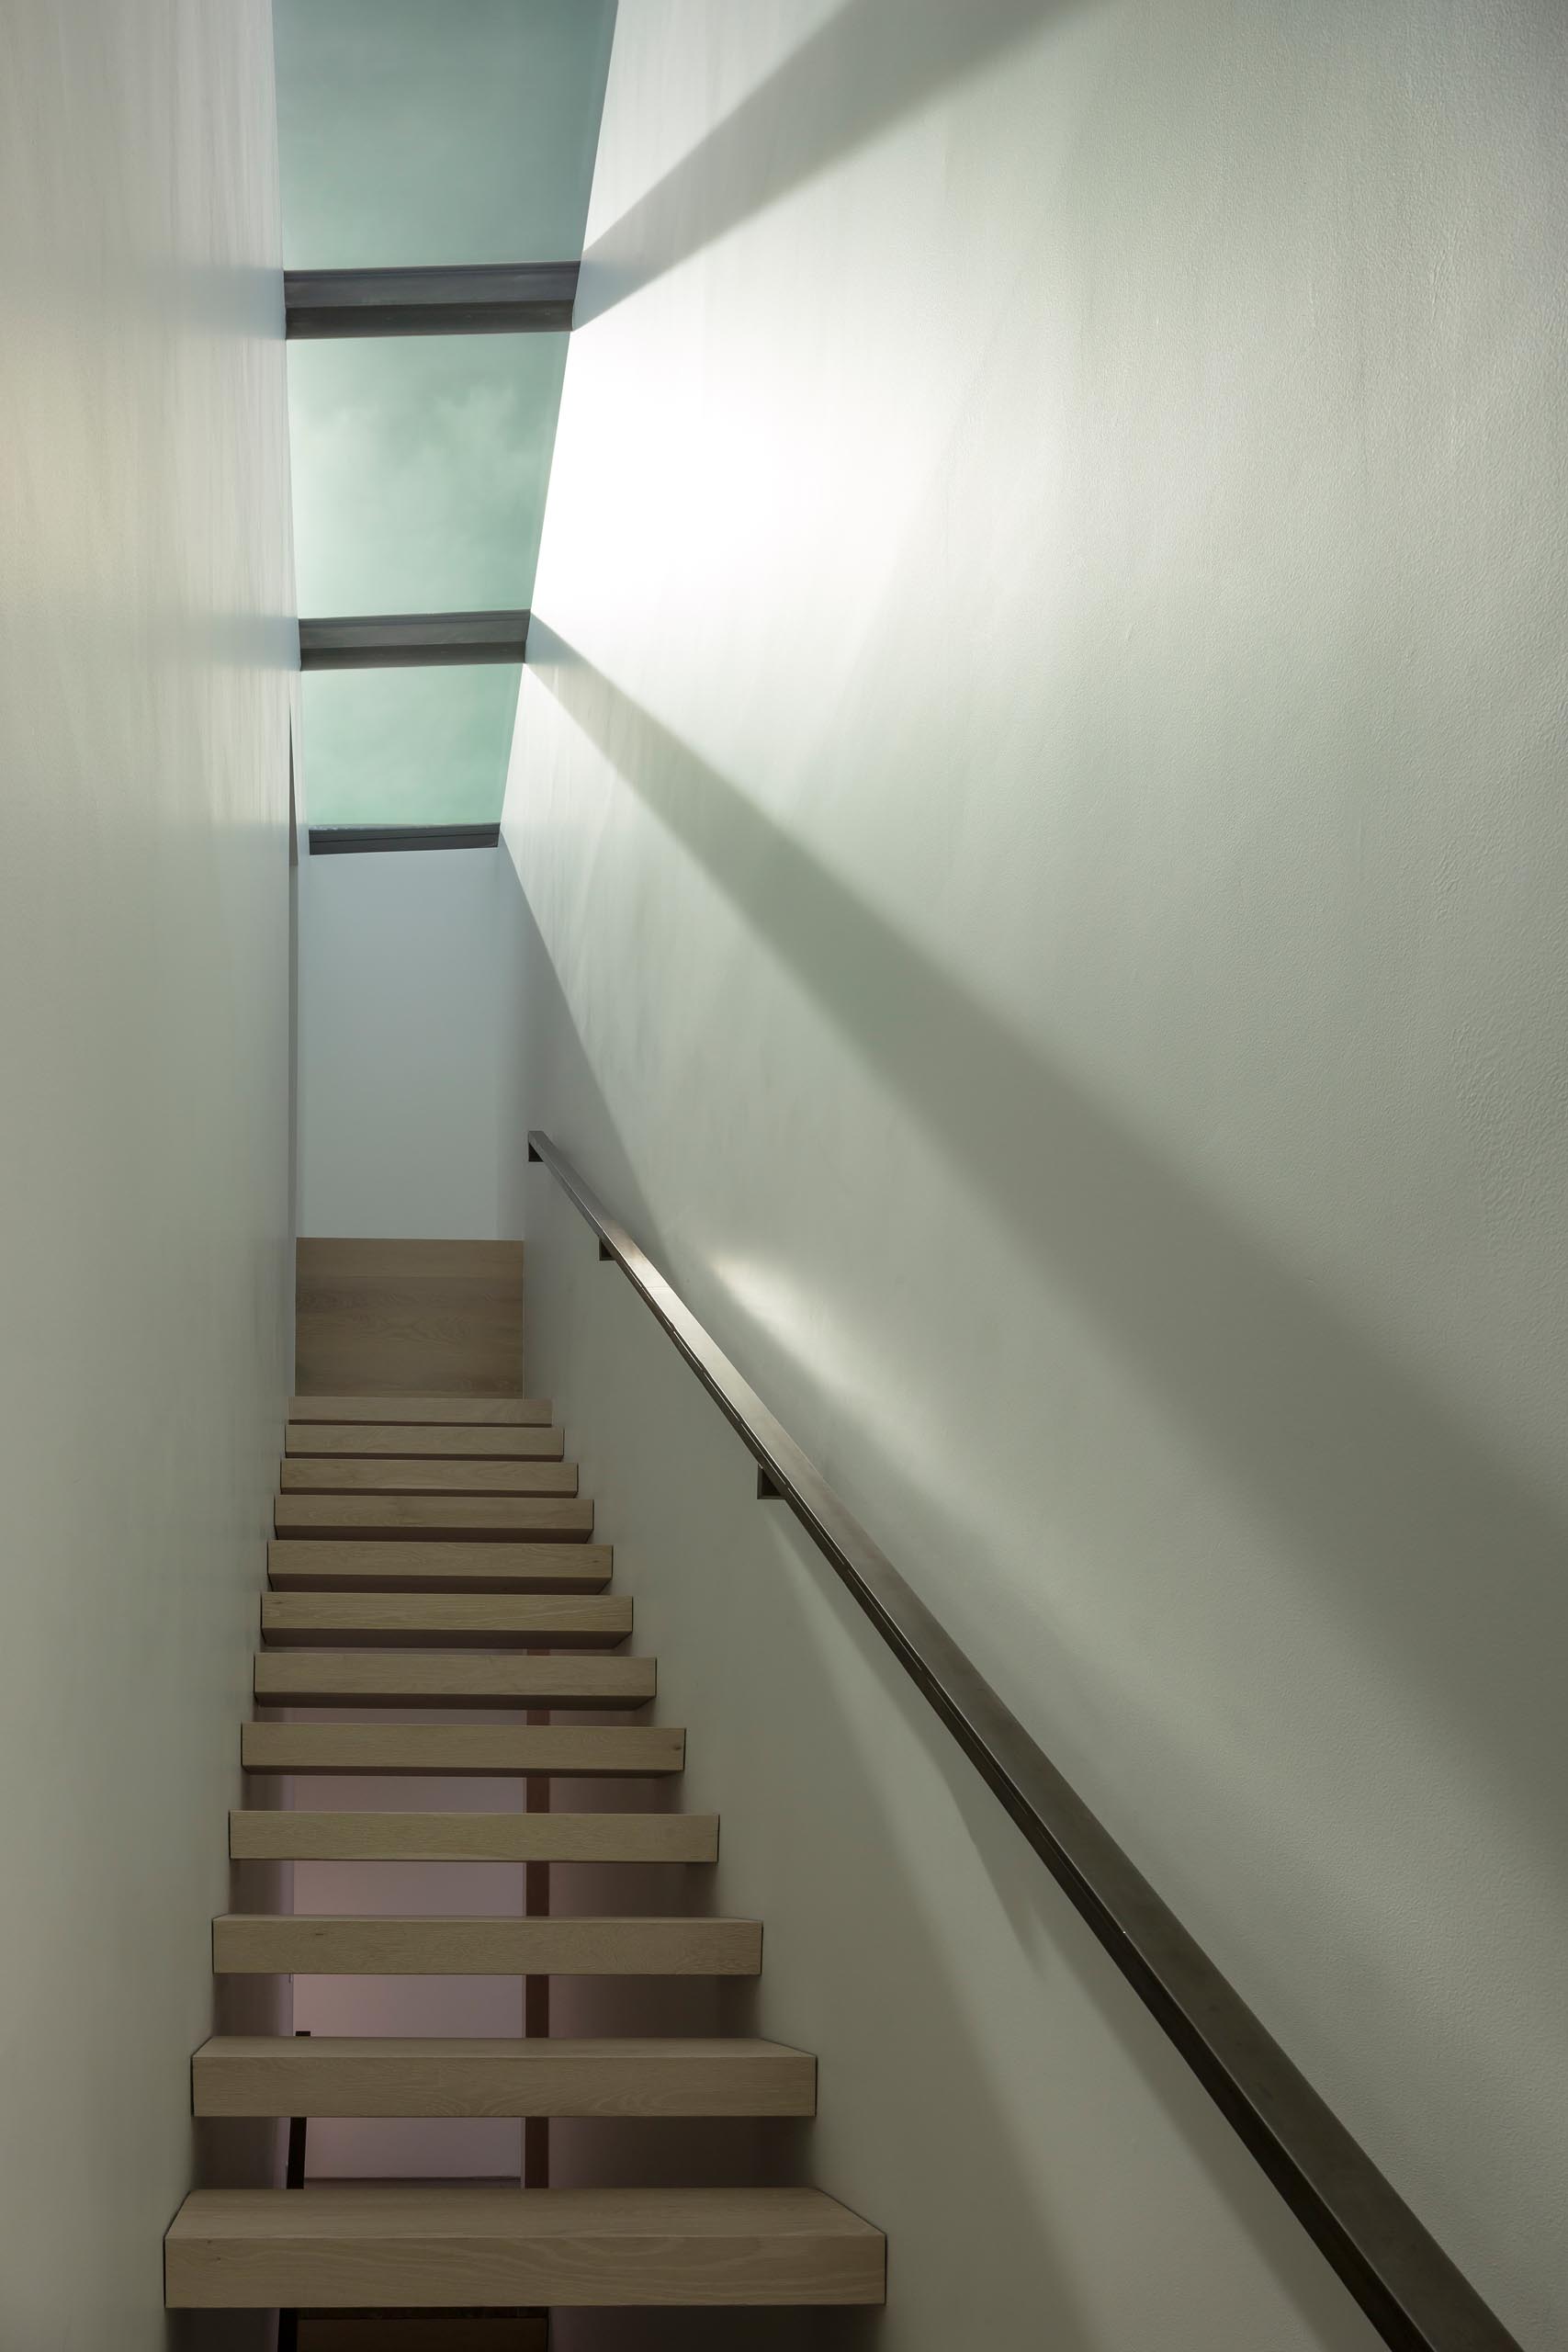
390, 1319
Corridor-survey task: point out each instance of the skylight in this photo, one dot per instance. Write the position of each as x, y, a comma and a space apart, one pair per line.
421, 133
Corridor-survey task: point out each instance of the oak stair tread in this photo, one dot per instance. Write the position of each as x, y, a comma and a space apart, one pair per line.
484, 2075
344, 2245
369, 1439
409, 1518
620, 1751
340, 1475
413, 1620
341, 1564
310, 1944
478, 1412
301, 1836
404, 1678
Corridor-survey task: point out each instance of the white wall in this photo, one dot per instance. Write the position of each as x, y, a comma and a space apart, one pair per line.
145, 659
989, 2091
397, 1045
1039, 845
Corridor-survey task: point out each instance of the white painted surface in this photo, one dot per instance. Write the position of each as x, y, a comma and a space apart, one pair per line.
397, 1045
988, 2092
145, 653
1039, 812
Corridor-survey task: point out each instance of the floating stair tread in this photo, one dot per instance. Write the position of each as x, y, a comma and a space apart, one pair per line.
622, 1751
449, 1678
297, 1943
477, 1412
335, 1473
299, 1835
406, 1441
485, 1619
409, 1517
341, 2246
340, 1565
482, 2076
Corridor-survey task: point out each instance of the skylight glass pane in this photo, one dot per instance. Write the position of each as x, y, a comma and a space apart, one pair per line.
421, 464
415, 131
408, 747
414, 134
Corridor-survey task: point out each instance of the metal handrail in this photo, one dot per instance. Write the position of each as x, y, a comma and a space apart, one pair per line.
1413, 2294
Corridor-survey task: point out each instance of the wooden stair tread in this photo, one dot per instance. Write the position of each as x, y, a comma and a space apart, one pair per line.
300, 1836
473, 1411
409, 1517
348, 2243
473, 2075
341, 1564
305, 1944
485, 1619
407, 1440
340, 1475
622, 1751
329, 1678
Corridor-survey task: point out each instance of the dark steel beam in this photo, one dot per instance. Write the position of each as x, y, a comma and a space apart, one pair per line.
341, 841
1415, 2297
489, 298
400, 641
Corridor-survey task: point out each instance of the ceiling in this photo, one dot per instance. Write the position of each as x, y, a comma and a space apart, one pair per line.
415, 132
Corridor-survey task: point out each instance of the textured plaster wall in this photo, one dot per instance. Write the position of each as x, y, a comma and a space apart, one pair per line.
1038, 850
146, 650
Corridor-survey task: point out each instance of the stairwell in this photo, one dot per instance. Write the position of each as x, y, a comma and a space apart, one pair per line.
433, 1551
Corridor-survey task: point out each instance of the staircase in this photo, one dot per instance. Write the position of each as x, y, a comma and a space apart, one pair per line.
435, 1551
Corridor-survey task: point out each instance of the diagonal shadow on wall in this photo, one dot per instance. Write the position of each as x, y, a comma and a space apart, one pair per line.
871, 63
1434, 1542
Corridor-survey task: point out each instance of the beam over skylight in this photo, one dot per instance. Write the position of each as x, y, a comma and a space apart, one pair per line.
484, 298
408, 640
